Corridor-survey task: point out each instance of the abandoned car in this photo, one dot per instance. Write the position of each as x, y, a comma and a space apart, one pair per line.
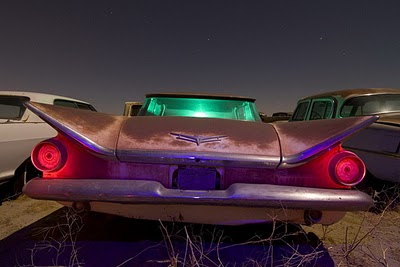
199, 158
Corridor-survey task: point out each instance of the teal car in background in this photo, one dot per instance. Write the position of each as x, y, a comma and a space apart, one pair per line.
377, 145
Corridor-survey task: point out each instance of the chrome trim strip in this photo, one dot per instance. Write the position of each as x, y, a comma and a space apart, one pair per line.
151, 192
203, 158
71, 133
304, 155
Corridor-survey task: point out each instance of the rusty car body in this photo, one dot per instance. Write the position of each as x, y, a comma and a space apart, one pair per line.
377, 145
199, 158
20, 131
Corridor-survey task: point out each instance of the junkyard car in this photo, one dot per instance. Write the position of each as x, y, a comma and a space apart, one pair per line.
132, 108
277, 116
379, 144
199, 158
20, 131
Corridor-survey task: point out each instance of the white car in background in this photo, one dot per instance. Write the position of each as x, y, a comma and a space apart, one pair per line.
20, 131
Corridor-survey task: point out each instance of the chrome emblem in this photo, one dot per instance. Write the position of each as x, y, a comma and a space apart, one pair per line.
198, 139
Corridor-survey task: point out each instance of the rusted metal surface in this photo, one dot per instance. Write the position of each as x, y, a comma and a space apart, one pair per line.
148, 138
347, 93
96, 130
160, 135
301, 140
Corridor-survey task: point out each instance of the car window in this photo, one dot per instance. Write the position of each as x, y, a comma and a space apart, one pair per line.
199, 107
135, 110
73, 104
11, 107
321, 109
85, 106
301, 111
367, 105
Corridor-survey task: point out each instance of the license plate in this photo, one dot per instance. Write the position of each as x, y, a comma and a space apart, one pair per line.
197, 179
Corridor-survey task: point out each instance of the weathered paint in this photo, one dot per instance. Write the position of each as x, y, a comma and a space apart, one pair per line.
131, 138
160, 134
301, 140
98, 131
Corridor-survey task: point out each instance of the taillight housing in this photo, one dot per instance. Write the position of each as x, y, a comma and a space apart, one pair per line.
49, 155
347, 168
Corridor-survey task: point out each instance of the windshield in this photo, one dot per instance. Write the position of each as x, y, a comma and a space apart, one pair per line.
11, 107
202, 108
368, 105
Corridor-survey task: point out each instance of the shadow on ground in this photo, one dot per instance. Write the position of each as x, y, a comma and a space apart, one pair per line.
65, 239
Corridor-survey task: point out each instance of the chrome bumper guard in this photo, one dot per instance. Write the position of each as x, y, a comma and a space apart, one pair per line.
151, 192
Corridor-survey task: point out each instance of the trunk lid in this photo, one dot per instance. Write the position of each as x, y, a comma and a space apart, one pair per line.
176, 139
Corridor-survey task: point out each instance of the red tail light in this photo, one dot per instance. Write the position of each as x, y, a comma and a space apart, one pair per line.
49, 156
346, 168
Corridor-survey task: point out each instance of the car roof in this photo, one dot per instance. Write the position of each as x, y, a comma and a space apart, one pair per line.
40, 97
347, 93
202, 96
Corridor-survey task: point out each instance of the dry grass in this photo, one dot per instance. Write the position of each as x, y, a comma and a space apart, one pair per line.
359, 239
364, 238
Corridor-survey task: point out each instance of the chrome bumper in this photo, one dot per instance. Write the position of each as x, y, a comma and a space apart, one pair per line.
151, 192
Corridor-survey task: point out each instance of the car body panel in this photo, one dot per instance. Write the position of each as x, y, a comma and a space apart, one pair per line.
20, 138
100, 137
129, 136
205, 137
303, 140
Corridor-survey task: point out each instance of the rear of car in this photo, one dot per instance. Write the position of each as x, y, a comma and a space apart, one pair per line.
200, 159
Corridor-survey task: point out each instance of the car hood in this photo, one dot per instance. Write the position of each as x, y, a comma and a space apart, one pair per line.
186, 139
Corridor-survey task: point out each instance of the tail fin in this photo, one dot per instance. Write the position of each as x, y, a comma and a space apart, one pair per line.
97, 131
301, 140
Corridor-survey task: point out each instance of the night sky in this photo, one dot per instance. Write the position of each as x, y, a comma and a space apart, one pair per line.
109, 52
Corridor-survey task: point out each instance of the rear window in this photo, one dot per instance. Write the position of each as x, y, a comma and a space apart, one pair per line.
202, 108
11, 107
73, 104
368, 105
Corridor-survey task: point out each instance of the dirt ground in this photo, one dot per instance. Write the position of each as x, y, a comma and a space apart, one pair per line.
363, 239
359, 239
19, 213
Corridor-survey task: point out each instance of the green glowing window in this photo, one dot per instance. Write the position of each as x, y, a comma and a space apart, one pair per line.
228, 108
